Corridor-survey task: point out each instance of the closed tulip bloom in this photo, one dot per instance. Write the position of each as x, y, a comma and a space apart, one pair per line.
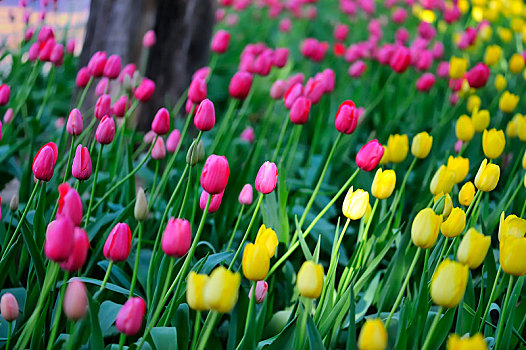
103, 106
159, 150
487, 176
205, 117
130, 316
145, 90
310, 280
478, 76
120, 106
401, 59
267, 178
222, 289
278, 89
473, 248
33, 52
299, 112
75, 122
460, 166
511, 226
492, 55
500, 82
197, 90
149, 38
480, 119
466, 194
520, 126
493, 142
215, 203
102, 86
83, 77
425, 82
383, 184
118, 244
81, 167
46, 49
261, 291
96, 64
449, 283
105, 131
476, 342
369, 155
161, 122
59, 239
425, 227
214, 176
455, 223
443, 181
357, 69
112, 68
173, 141
473, 104
464, 128
9, 307
44, 162
516, 63
177, 237
280, 57
248, 134
5, 92
220, 41
255, 262
457, 67
240, 85
373, 335
246, 195
508, 102
140, 210
355, 204
69, 204
292, 94
79, 252
8, 116
346, 117
75, 300
195, 291
448, 204
511, 255
267, 238
421, 145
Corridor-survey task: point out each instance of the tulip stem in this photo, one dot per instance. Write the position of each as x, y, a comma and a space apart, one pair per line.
68, 164
300, 334
520, 185
432, 329
251, 305
24, 213
504, 311
137, 258
235, 227
486, 311
9, 329
365, 234
84, 92
58, 312
207, 329
238, 251
225, 123
280, 139
93, 186
197, 325
157, 161
404, 285
106, 276
185, 196
122, 339
50, 80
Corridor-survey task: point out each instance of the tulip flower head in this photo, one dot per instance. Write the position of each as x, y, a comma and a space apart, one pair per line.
173, 141
508, 102
81, 167
481, 119
443, 181
493, 143
118, 244
161, 122
215, 202
145, 90
369, 155
105, 131
44, 162
421, 145
59, 239
355, 204
240, 85
464, 128
77, 257
310, 280
222, 289
256, 262
383, 184
9, 307
214, 176
205, 117
197, 91
246, 195
130, 316
454, 224
159, 149
260, 293
75, 122
346, 117
459, 166
398, 146
300, 110
449, 283
475, 342
473, 248
75, 300
195, 291
487, 176
69, 204
177, 237
267, 237
267, 178
425, 227
373, 335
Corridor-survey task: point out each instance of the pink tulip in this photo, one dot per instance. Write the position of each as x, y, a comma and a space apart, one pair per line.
128, 70
292, 94
240, 85
118, 245
120, 106
248, 134
149, 39
44, 161
458, 146
81, 168
46, 49
220, 41
59, 239
425, 82
425, 60
29, 34
9, 307
400, 60
161, 122
299, 113
246, 195
267, 178
278, 89
478, 76
341, 31
346, 117
399, 15
443, 69
112, 68
149, 137
105, 131
8, 116
57, 55
285, 25
33, 52
173, 141
215, 203
197, 90
96, 64
59, 123
5, 92
75, 122
357, 69
83, 77
453, 98
280, 57
177, 238
329, 77
159, 149
75, 300
102, 86
261, 291
438, 50
426, 30
69, 204
145, 90
130, 316
79, 252
205, 117
214, 176
45, 33
103, 106
70, 46
314, 90
369, 155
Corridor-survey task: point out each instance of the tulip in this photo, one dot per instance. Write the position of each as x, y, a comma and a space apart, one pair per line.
292, 94
425, 82
240, 85
473, 248
248, 134
112, 68
96, 64
120, 106
220, 41
278, 89
492, 55
103, 107
79, 252
476, 342
460, 166
383, 184
357, 69
245, 196
159, 150
266, 178
261, 291
457, 67
401, 59
196, 153
473, 104
177, 237
480, 119
148, 40
511, 226
466, 194
493, 143
444, 207
369, 155
310, 280
478, 76
205, 117
46, 48
102, 87
13, 203
442, 181
449, 283
508, 102
455, 223
222, 289
520, 126
516, 63
197, 90
299, 112
346, 117
373, 335
70, 46
33, 52
8, 116
421, 145
173, 141
161, 122
195, 291
501, 83
267, 238
215, 203
59, 239
44, 162
83, 77
75, 300
140, 210
5, 92
9, 307
81, 168
105, 131
280, 57
398, 146
75, 124
118, 244
487, 176
511, 255
130, 316
69, 204
424, 231
145, 90
464, 128
214, 176
256, 262
355, 204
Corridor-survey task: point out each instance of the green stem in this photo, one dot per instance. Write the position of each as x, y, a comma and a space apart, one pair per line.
432, 329
207, 329
251, 305
58, 312
235, 227
9, 331
49, 87
106, 276
519, 186
225, 123
492, 293
197, 325
300, 335
155, 175
365, 234
122, 339
93, 186
68, 164
137, 258
84, 92
280, 139
504, 312
185, 196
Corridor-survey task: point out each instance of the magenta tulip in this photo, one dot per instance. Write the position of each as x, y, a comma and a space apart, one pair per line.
177, 238
214, 176
267, 178
81, 167
44, 161
118, 245
59, 239
369, 155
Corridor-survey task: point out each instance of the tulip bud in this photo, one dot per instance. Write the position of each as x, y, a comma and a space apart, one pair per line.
425, 82
383, 184
281, 56
81, 167
443, 181
105, 131
9, 307
161, 122
83, 77
149, 38
248, 134
464, 128
457, 67
120, 106
57, 55
205, 117
493, 143
267, 178
46, 48
255, 262
261, 291
214, 176
355, 204
103, 107
369, 155
75, 123
240, 85
70, 46
473, 103
13, 204
299, 112
454, 224
159, 150
215, 202
478, 76
473, 248
346, 117
476, 342
278, 89
69, 204
8, 116
500, 84
140, 210
222, 290
245, 196
310, 280
220, 41
492, 54
5, 92
112, 68
487, 176
511, 254
59, 239
196, 153
421, 145
79, 252
449, 283
267, 238
75, 300
197, 90
460, 166
398, 146
401, 59
130, 316
33, 52
44, 162
177, 237
424, 230
508, 102
516, 63
96, 64
195, 291
511, 225
118, 244
292, 94
145, 90
173, 141
466, 194
373, 335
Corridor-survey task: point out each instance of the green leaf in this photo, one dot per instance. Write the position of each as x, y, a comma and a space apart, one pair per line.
182, 323
36, 256
303, 244
107, 314
96, 340
351, 332
315, 341
164, 338
283, 340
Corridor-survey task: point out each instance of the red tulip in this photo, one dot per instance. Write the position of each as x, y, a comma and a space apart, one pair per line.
369, 155
59, 239
81, 168
161, 122
205, 117
346, 117
130, 316
299, 113
44, 162
177, 237
105, 131
267, 178
425, 82
79, 252
69, 203
478, 76
118, 245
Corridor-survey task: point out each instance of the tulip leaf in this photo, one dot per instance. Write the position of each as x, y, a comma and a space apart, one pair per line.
351, 331
182, 323
109, 286
34, 252
304, 247
283, 340
314, 336
107, 314
96, 339
164, 338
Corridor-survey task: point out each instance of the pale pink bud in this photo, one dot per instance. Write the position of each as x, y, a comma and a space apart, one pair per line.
75, 122
8, 116
278, 89
357, 69
261, 291
130, 316
76, 300
159, 150
149, 137
173, 141
458, 146
248, 134
246, 195
9, 307
267, 178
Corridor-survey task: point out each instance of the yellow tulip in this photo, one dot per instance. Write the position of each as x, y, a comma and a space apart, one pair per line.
222, 290
449, 283
457, 67
443, 181
520, 126
487, 176
476, 342
421, 145
473, 248
500, 82
460, 166
385, 157
383, 184
424, 231
517, 24
355, 204
511, 127
268, 238
256, 262
373, 335
455, 223
505, 34
492, 55
493, 143
464, 128
511, 255
480, 119
310, 280
473, 103
466, 194
398, 146
516, 63
486, 33
508, 102
524, 161
511, 226
448, 203
194, 291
